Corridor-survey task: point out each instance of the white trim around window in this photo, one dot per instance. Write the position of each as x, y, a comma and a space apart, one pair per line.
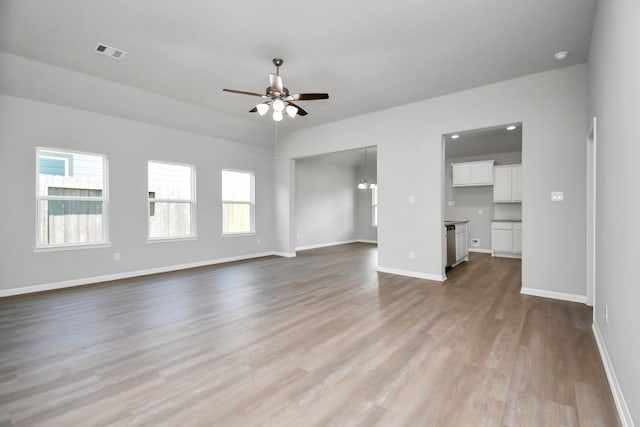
238, 196
64, 219
172, 185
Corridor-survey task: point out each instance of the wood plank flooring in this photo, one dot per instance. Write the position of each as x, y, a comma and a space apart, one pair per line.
317, 340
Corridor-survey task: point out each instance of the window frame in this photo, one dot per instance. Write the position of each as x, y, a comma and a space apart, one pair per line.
251, 203
192, 204
374, 205
49, 152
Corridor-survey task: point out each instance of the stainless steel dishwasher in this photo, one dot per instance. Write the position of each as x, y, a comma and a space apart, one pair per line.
451, 244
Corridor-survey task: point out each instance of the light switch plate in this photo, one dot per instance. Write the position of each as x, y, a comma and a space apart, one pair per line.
412, 199
451, 203
557, 196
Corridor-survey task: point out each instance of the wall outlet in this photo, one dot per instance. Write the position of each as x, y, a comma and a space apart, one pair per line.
258, 241
116, 256
557, 196
480, 212
475, 243
412, 255
606, 314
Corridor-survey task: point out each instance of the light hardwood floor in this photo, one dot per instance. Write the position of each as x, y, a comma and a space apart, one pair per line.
317, 340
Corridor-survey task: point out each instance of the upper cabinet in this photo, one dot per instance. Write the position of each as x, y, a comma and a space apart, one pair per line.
507, 186
473, 173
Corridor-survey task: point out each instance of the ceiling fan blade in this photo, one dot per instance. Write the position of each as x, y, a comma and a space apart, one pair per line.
254, 110
242, 92
300, 112
308, 96
275, 83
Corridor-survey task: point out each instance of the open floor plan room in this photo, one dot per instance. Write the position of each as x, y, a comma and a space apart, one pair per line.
318, 340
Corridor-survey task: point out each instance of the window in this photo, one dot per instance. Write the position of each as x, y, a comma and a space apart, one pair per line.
237, 202
374, 205
71, 198
171, 200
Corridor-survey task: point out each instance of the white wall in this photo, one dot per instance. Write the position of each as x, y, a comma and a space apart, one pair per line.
326, 202
614, 67
35, 80
469, 201
552, 107
25, 124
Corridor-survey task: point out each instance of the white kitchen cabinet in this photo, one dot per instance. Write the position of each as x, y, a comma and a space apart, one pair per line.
506, 239
462, 245
472, 173
507, 185
517, 238
516, 183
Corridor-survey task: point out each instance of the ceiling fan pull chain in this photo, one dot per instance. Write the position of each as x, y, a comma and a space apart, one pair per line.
276, 148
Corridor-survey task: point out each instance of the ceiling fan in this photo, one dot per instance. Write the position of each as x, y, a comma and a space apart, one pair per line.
279, 98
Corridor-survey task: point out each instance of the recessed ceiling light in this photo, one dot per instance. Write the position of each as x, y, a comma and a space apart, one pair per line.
561, 56
456, 136
512, 127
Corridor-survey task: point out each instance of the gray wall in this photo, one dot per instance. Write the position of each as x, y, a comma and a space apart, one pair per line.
325, 212
471, 200
614, 67
552, 107
25, 124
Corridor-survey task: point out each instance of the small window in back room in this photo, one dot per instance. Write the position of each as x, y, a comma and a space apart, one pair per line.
71, 198
171, 193
238, 207
374, 205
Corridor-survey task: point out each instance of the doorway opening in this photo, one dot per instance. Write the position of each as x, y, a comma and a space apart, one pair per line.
592, 148
330, 208
483, 192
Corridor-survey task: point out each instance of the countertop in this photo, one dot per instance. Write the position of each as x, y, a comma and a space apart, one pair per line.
455, 222
506, 220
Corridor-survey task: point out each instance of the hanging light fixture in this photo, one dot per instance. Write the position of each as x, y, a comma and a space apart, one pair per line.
364, 184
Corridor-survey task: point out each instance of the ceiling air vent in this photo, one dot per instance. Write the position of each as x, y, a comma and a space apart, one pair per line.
109, 51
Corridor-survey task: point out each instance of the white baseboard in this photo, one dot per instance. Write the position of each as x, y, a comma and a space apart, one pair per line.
126, 275
375, 242
554, 295
408, 273
285, 254
621, 405
480, 250
505, 255
324, 245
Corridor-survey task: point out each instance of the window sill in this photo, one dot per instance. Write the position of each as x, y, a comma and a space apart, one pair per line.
71, 247
171, 239
248, 233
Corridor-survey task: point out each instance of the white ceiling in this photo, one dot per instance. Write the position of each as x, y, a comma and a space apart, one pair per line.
348, 158
367, 55
484, 141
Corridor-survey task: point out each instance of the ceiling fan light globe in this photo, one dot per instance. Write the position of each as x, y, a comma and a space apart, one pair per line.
291, 111
363, 185
278, 105
262, 109
277, 116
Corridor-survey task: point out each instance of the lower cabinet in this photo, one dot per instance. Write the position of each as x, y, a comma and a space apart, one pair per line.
517, 238
462, 245
506, 239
